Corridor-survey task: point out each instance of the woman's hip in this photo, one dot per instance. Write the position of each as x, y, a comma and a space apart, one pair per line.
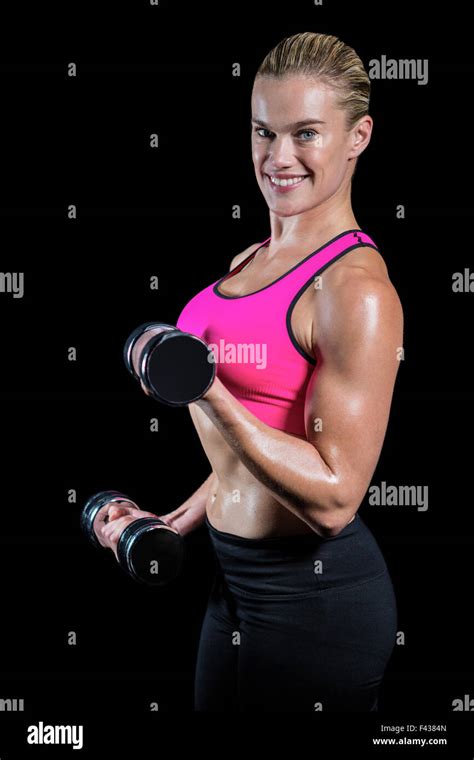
299, 566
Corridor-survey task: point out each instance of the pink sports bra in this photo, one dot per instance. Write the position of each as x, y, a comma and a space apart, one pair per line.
257, 356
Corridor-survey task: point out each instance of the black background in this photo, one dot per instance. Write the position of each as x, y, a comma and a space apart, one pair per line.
85, 425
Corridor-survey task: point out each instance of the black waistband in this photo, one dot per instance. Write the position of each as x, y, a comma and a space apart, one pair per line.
281, 541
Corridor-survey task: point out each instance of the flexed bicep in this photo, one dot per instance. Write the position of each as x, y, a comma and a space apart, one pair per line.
348, 398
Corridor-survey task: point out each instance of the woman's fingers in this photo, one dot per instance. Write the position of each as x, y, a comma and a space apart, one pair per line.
119, 509
112, 520
112, 530
110, 512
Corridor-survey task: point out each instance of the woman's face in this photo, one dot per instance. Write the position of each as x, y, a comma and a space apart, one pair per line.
317, 149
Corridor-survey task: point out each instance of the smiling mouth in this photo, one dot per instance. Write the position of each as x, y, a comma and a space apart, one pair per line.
293, 182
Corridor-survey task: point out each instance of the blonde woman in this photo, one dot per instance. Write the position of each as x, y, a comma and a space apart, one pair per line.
307, 329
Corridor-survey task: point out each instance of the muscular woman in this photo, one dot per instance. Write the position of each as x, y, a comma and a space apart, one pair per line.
308, 329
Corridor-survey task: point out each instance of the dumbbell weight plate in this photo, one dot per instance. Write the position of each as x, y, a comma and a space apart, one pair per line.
142, 543
177, 367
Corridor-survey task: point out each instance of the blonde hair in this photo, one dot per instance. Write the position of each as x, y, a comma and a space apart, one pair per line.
328, 59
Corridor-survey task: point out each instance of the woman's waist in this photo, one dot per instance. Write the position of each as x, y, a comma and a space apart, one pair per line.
298, 563
249, 511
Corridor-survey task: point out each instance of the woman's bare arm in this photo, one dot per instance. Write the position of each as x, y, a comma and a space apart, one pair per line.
192, 513
323, 479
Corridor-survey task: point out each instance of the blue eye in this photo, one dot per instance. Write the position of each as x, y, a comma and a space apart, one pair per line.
260, 129
308, 132
311, 132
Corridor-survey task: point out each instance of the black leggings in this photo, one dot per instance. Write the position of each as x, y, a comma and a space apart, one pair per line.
296, 624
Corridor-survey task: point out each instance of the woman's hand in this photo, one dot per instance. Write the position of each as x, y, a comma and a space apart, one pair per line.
114, 517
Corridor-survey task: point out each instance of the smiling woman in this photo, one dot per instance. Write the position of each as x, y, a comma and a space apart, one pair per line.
293, 443
327, 82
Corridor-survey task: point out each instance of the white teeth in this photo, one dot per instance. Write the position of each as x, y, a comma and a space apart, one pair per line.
285, 182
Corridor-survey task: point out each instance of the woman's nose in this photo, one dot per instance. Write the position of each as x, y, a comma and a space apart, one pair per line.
282, 152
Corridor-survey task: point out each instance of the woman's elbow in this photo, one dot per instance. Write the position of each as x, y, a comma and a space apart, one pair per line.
339, 510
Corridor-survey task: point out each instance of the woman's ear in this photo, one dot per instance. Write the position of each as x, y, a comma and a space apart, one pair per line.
360, 136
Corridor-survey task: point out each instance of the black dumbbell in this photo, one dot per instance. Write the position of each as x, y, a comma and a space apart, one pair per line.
142, 546
175, 367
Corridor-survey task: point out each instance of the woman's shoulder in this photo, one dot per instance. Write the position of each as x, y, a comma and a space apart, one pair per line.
363, 258
360, 276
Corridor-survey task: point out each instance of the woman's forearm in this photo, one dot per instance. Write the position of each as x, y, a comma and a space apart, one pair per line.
291, 468
191, 514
